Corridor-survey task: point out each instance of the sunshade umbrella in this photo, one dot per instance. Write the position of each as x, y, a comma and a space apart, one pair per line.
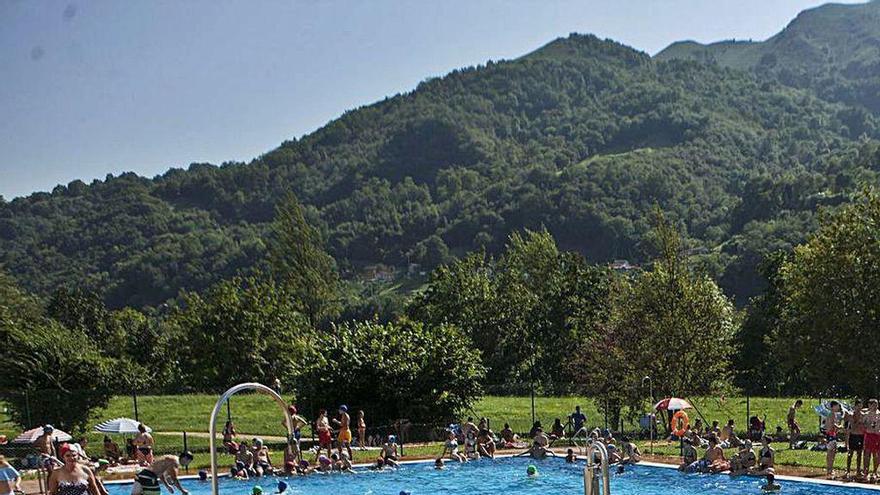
673, 404
31, 436
824, 409
120, 426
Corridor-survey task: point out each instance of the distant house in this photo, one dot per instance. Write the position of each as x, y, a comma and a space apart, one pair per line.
378, 273
623, 266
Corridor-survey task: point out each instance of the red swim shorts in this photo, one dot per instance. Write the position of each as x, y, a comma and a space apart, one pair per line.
324, 438
872, 443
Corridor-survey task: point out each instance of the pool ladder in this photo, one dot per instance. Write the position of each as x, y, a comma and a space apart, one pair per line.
593, 471
212, 426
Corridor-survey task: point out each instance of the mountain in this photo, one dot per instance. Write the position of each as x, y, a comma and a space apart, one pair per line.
833, 50
583, 136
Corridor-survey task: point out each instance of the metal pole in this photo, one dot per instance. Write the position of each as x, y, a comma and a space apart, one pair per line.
748, 414
651, 419
27, 407
134, 398
228, 410
212, 426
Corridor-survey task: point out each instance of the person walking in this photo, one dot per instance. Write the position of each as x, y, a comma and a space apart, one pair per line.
794, 429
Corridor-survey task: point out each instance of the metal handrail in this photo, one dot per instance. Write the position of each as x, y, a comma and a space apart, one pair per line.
212, 427
590, 469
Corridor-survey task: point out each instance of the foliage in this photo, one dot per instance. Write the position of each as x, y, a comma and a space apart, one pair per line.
521, 311
300, 264
403, 369
582, 137
669, 323
831, 305
51, 374
242, 329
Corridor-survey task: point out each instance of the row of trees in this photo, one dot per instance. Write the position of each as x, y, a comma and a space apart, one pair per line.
534, 317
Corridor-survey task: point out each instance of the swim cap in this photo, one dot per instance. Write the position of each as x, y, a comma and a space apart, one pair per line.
343, 408
291, 409
103, 462
532, 470
392, 439
257, 490
303, 463
48, 429
282, 486
203, 475
323, 459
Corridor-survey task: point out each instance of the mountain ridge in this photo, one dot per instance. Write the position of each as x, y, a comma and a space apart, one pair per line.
582, 136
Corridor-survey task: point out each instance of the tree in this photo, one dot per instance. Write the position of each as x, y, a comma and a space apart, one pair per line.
52, 374
405, 369
300, 264
522, 311
670, 324
831, 304
242, 329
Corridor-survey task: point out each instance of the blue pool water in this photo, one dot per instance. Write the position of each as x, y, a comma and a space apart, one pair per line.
507, 476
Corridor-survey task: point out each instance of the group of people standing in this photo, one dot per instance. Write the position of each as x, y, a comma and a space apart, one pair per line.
860, 429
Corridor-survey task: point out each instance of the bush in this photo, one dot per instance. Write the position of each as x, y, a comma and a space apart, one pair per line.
397, 370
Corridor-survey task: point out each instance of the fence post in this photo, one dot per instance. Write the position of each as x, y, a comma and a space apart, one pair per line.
134, 399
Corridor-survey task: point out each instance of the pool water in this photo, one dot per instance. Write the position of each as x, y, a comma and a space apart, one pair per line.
506, 476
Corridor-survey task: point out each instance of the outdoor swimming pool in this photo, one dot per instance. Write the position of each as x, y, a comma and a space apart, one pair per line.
507, 476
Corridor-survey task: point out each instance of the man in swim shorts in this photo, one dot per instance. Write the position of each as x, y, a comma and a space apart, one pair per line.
794, 429
855, 438
322, 425
164, 469
871, 421
344, 437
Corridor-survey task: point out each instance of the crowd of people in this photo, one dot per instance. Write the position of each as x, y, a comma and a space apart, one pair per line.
713, 449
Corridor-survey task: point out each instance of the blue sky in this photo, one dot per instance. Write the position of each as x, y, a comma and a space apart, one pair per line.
95, 87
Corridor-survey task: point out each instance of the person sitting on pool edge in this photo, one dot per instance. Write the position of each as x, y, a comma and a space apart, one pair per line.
539, 448
743, 460
485, 444
508, 436
262, 461
389, 451
689, 455
631, 454
451, 448
766, 459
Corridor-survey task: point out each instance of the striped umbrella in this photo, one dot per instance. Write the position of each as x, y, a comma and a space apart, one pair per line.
122, 426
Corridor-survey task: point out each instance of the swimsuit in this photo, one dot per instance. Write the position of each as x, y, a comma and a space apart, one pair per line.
344, 436
324, 438
872, 443
80, 487
148, 481
145, 450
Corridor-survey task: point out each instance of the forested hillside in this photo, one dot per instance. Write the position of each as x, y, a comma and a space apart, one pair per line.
583, 136
833, 49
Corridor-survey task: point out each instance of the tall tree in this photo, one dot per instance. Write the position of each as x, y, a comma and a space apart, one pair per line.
301, 265
673, 324
831, 295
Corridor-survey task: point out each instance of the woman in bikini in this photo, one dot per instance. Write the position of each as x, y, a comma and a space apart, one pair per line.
229, 438
362, 431
72, 478
144, 443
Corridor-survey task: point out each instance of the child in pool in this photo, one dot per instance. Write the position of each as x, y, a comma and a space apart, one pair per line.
569, 456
